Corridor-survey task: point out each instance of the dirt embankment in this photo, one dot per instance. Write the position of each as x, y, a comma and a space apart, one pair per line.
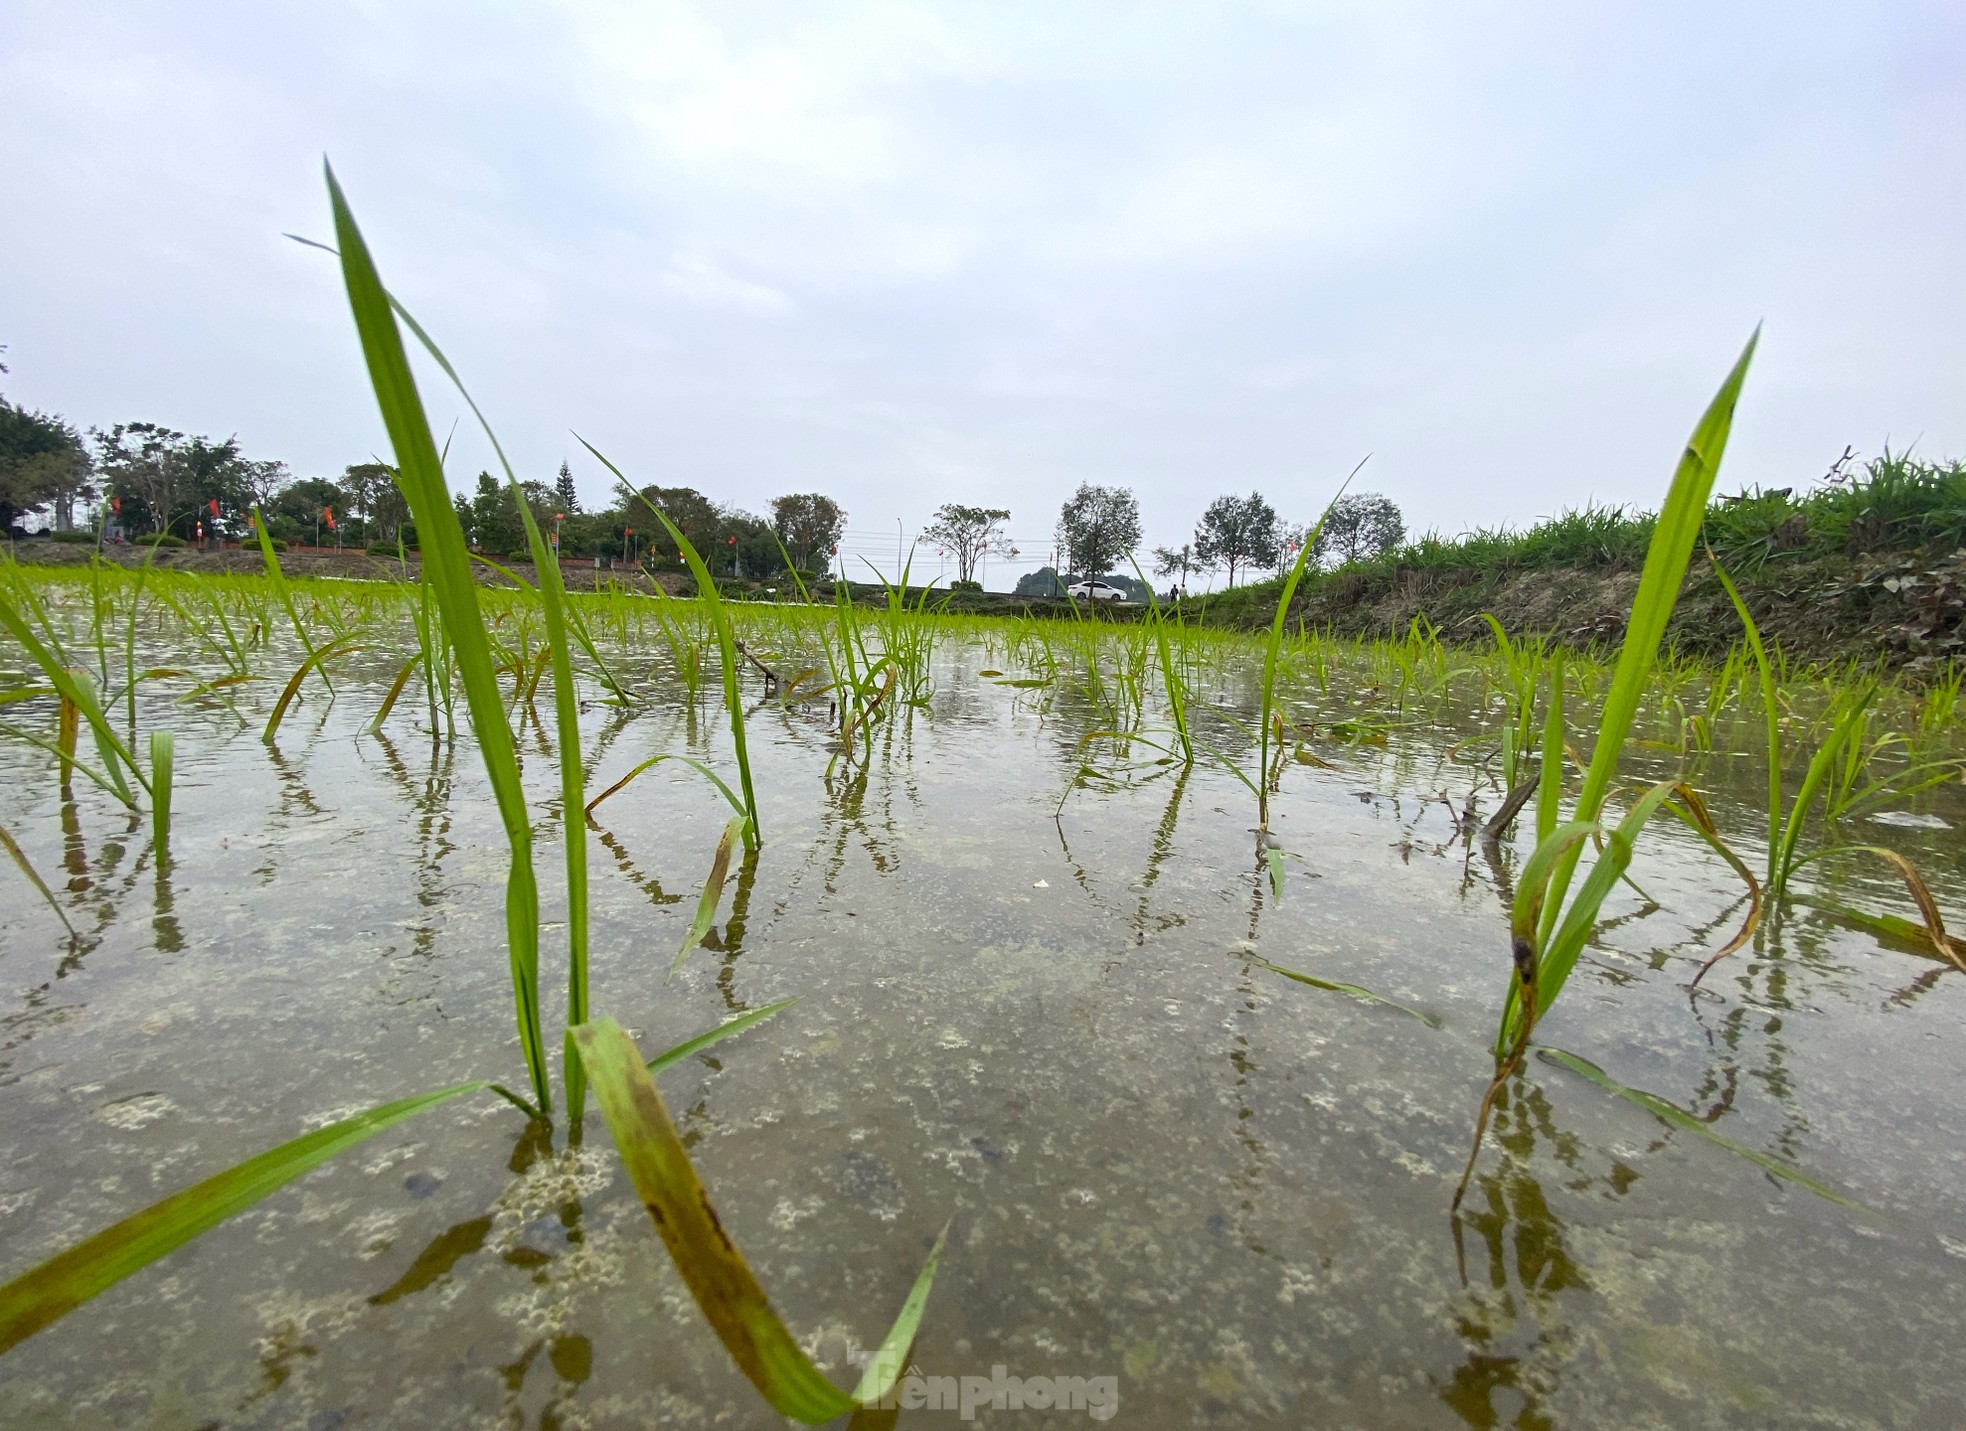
1907, 610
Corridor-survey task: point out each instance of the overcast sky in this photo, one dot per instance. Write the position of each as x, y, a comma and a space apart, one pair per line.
914, 253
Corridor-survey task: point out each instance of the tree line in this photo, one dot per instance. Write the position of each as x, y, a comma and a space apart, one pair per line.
147, 479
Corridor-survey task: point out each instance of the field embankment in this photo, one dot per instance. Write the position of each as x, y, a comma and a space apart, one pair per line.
1905, 610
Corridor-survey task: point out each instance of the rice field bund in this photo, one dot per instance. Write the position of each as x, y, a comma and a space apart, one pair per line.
438, 1005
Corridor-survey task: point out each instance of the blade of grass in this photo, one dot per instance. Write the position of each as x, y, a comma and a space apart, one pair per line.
80, 692
38, 1298
706, 589
278, 579
1677, 1117
395, 691
717, 1275
1666, 560
698, 766
713, 891
727, 1029
1274, 647
26, 867
1354, 991
1885, 926
163, 766
315, 660
447, 566
43, 743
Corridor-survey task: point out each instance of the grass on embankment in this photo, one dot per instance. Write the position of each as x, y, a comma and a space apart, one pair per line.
1871, 568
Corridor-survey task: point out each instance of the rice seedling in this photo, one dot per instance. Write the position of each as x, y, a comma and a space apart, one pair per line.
1547, 931
1840, 750
643, 1132
447, 567
1666, 560
163, 766
278, 580
1274, 647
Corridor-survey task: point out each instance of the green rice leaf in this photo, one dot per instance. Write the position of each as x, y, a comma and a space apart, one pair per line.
26, 867
1354, 991
278, 579
1677, 1117
715, 1271
1666, 560
163, 767
76, 688
447, 570
727, 1029
713, 891
45, 1294
315, 660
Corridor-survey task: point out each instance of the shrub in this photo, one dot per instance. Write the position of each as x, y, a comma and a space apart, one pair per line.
277, 543
975, 586
158, 539
74, 539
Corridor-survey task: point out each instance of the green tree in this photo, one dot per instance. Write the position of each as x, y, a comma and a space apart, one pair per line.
494, 524
42, 463
569, 499
368, 491
810, 525
1096, 527
1361, 525
693, 513
1236, 532
1045, 581
969, 533
297, 507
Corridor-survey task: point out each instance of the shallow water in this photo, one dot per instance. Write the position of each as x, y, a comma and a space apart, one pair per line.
1163, 1163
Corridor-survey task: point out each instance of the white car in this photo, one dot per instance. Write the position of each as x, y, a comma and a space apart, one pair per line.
1094, 591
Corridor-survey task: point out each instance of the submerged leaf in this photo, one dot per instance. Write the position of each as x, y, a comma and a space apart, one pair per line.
65, 1281
1354, 991
1679, 1118
727, 1029
19, 857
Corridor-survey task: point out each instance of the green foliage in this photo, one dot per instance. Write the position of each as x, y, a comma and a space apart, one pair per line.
1045, 581
718, 1277
1235, 532
42, 463
810, 526
1359, 526
968, 534
158, 539
1098, 526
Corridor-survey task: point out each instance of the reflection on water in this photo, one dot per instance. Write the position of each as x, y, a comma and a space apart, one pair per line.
1041, 1019
1514, 1317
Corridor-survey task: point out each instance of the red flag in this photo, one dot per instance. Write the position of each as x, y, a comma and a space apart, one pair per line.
213, 504
328, 514
116, 505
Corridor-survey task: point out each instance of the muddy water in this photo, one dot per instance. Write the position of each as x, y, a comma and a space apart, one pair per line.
1164, 1164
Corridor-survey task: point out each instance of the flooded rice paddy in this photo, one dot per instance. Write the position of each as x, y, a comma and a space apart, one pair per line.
1165, 1163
